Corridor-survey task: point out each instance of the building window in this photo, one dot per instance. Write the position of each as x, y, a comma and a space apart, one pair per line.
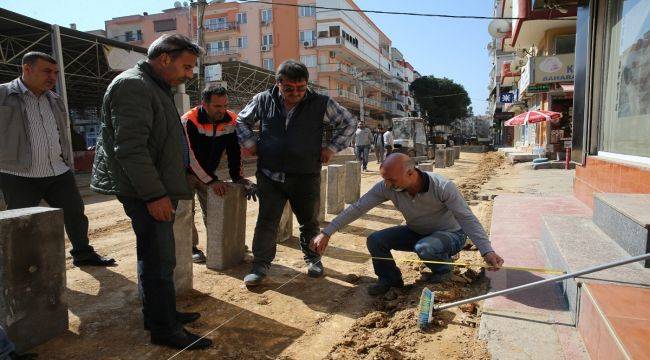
309, 60
217, 47
267, 39
164, 25
626, 108
565, 44
307, 11
268, 64
128, 36
138, 35
242, 42
307, 35
242, 18
267, 16
216, 24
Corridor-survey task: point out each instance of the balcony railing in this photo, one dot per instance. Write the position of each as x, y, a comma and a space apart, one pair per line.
130, 40
337, 68
222, 26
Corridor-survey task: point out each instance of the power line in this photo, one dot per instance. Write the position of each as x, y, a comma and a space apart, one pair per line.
446, 16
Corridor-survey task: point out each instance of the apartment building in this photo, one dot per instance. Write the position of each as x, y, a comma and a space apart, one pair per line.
143, 29
349, 58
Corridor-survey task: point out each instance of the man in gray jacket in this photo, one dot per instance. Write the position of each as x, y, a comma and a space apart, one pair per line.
36, 153
438, 222
141, 157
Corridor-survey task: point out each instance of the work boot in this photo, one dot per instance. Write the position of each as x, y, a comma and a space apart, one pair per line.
380, 288
198, 257
93, 259
182, 317
315, 269
181, 340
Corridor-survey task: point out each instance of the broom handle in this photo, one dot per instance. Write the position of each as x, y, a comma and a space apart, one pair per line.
545, 281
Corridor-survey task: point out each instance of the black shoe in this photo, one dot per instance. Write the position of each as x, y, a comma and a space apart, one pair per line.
182, 340
94, 260
381, 288
198, 257
315, 269
182, 317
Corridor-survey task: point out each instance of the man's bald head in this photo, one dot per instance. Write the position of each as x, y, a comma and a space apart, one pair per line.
398, 171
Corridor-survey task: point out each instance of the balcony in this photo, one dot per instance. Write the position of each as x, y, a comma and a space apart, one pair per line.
222, 27
337, 68
217, 55
130, 40
342, 96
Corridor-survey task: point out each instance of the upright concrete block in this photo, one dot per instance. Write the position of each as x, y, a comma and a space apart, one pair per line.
183, 237
323, 194
285, 229
456, 152
441, 158
335, 189
449, 156
426, 166
352, 181
226, 228
32, 275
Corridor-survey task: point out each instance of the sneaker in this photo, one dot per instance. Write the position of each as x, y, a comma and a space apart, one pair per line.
198, 257
381, 288
254, 278
94, 259
315, 269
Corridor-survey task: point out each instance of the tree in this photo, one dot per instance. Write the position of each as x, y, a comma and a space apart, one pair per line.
442, 99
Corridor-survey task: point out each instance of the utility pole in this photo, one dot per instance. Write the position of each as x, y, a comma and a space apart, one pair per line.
361, 103
200, 11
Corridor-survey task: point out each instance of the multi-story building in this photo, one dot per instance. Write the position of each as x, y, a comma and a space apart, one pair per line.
349, 58
143, 29
347, 55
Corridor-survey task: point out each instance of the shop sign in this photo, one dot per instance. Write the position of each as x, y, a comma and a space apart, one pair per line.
506, 98
553, 69
541, 88
524, 80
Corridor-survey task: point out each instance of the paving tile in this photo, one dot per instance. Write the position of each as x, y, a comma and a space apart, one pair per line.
622, 301
634, 334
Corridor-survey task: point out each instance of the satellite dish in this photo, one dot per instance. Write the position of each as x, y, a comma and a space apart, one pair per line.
177, 4
499, 28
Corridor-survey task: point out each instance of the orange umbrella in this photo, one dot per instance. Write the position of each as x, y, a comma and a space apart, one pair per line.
534, 116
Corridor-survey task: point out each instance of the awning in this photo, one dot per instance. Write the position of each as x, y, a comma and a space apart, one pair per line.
534, 116
568, 88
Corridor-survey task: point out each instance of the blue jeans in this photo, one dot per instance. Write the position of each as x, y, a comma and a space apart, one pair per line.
362, 155
440, 245
156, 253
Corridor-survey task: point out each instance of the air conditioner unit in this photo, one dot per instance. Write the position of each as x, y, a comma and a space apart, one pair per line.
308, 44
266, 48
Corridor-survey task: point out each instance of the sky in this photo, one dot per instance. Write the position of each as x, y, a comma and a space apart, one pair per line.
450, 48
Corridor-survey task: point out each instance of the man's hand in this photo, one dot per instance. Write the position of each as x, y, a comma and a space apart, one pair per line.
161, 209
251, 151
319, 243
219, 188
250, 189
494, 260
326, 155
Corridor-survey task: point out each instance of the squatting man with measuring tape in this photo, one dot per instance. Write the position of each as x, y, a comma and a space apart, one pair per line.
438, 221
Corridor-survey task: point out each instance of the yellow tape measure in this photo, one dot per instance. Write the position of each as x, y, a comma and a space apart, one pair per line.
520, 268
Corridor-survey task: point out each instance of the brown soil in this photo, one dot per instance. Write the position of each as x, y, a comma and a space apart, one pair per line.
290, 317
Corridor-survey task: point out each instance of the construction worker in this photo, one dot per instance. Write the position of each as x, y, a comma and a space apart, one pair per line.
210, 130
438, 221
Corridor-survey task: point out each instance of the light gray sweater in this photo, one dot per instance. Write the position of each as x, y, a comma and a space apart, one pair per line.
440, 206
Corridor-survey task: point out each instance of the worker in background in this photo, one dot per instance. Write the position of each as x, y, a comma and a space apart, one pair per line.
362, 141
389, 141
378, 143
210, 130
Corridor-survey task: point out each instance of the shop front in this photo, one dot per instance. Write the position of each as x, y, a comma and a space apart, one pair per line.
612, 104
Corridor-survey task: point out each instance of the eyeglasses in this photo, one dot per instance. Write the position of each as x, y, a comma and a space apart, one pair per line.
292, 89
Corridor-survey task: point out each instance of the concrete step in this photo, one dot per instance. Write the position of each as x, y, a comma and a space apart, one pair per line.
575, 243
626, 219
615, 321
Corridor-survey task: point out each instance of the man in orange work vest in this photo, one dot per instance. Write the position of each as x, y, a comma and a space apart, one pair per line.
210, 130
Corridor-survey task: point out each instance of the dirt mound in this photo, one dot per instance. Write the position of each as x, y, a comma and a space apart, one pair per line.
469, 186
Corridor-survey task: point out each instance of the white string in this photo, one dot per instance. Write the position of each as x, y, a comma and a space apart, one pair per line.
232, 318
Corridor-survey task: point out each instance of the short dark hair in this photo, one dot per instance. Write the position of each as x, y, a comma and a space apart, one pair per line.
292, 70
31, 57
210, 91
174, 45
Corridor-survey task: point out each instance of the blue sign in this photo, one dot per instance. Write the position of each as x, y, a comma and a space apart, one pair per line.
507, 98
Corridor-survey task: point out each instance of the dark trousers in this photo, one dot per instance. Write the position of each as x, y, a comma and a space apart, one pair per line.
303, 194
59, 192
156, 253
440, 245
